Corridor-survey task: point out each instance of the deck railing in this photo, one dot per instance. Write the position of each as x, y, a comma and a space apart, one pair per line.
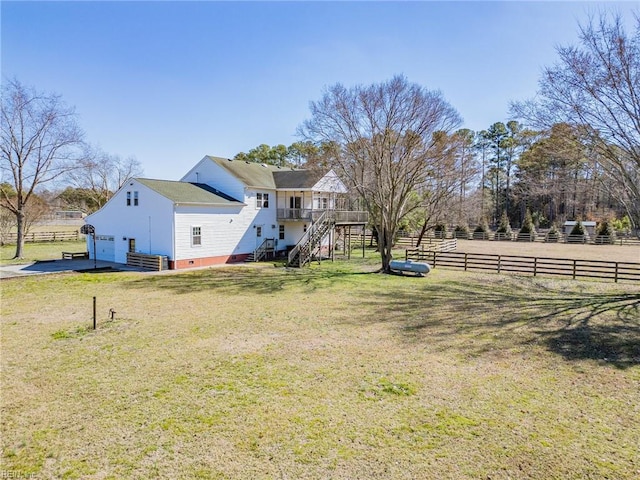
312, 215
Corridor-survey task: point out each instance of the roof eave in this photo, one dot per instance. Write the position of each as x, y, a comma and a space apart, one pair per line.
201, 204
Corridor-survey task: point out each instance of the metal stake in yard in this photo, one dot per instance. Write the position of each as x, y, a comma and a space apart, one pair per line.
94, 313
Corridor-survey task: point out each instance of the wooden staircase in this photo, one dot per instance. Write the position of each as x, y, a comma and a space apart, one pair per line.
267, 247
310, 244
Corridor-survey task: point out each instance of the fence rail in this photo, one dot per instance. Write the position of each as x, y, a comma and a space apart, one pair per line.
535, 266
35, 237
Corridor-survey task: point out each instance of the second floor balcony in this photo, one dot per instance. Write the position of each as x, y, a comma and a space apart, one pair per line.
311, 215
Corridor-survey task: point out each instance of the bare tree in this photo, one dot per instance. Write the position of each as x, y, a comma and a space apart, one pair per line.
101, 174
40, 140
596, 85
383, 136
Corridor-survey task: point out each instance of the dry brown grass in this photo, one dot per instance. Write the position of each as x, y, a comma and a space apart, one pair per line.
327, 372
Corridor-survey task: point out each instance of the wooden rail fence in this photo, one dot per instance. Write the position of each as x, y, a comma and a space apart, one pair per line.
35, 237
409, 240
535, 266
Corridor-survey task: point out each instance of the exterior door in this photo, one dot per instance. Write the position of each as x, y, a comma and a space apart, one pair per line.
259, 235
295, 204
132, 245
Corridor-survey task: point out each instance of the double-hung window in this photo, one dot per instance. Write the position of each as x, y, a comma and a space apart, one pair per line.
135, 199
262, 200
196, 236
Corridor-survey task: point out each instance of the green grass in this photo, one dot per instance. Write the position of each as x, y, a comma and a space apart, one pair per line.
40, 251
325, 372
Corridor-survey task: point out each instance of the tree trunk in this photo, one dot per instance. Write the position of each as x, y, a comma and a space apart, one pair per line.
20, 221
385, 244
423, 230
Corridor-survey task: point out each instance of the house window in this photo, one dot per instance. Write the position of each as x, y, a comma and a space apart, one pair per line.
281, 232
128, 199
262, 200
258, 231
135, 199
196, 236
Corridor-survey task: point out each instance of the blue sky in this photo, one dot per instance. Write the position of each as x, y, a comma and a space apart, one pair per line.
170, 82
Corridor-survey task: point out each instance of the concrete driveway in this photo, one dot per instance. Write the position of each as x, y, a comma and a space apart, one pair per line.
58, 266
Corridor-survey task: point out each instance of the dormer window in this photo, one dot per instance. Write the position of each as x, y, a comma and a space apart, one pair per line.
262, 200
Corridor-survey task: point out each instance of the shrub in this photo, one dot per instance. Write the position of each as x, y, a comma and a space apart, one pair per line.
504, 229
528, 228
605, 228
622, 225
553, 235
440, 230
578, 228
483, 226
505, 226
605, 233
461, 231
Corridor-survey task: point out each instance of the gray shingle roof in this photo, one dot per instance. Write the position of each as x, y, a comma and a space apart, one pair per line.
296, 178
184, 192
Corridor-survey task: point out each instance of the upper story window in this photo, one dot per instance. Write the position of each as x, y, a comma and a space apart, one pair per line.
262, 200
135, 199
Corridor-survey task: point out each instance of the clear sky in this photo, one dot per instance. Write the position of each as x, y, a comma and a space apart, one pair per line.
170, 82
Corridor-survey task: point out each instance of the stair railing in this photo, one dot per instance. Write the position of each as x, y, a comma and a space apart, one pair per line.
261, 251
312, 238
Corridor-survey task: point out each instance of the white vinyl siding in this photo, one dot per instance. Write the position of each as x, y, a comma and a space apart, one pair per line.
151, 224
223, 230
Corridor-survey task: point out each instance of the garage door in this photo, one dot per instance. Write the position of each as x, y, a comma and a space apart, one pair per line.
105, 246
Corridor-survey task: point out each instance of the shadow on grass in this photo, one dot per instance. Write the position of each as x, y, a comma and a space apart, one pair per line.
240, 280
474, 316
520, 313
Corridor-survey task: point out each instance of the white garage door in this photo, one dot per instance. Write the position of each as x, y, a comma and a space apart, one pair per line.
105, 246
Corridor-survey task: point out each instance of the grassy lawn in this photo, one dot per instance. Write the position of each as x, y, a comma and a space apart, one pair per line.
325, 372
40, 251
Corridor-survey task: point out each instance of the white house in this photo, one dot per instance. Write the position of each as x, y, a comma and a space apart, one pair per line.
221, 211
